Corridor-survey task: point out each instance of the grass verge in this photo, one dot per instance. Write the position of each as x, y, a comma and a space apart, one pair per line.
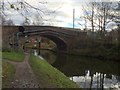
49, 76
8, 72
13, 56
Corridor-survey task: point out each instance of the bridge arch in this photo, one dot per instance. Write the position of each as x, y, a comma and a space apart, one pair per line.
60, 42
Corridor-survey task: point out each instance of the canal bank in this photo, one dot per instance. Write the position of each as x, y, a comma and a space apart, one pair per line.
87, 72
46, 76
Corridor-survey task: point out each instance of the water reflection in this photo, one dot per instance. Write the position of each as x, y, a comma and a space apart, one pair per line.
97, 80
86, 72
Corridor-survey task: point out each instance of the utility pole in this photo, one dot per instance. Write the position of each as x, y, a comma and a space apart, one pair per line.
73, 18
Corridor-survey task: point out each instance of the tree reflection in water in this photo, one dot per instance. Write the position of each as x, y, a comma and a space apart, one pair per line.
86, 72
97, 80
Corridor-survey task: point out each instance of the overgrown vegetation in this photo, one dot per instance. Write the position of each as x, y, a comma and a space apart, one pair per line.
49, 75
8, 72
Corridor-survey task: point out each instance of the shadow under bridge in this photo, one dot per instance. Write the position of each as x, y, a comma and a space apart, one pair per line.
56, 36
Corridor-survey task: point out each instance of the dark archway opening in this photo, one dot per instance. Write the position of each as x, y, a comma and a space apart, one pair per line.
61, 45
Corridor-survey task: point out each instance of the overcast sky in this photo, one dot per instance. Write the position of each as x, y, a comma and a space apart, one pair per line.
63, 15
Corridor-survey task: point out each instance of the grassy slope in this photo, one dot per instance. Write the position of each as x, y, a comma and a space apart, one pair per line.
8, 72
13, 56
49, 75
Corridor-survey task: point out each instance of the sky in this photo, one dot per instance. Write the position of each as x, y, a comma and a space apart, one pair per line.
63, 16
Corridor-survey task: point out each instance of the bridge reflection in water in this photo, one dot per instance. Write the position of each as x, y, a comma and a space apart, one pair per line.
86, 72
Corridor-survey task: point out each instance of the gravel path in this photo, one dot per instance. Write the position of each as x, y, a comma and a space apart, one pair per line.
24, 76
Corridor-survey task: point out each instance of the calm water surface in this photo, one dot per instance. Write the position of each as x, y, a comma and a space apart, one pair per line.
85, 71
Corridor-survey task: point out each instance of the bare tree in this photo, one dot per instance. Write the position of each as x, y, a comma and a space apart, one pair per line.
103, 8
99, 14
26, 9
89, 10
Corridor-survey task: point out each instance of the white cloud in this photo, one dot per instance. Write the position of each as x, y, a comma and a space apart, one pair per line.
66, 12
63, 16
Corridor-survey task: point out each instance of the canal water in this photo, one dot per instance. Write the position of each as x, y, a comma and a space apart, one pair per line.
87, 72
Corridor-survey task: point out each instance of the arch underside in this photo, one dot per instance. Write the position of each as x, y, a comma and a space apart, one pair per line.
61, 45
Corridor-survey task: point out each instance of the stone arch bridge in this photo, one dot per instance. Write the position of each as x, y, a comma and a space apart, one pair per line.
66, 39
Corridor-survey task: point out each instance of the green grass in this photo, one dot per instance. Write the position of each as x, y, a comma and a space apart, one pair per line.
8, 72
13, 56
50, 75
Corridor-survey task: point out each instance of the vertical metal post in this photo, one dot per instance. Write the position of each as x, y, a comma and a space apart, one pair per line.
85, 24
39, 45
39, 48
73, 18
39, 42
